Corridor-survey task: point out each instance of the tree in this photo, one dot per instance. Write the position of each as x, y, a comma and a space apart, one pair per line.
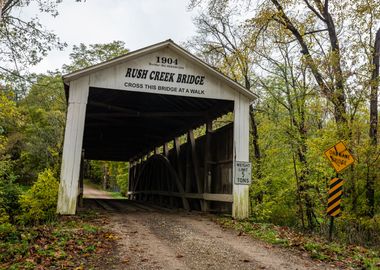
224, 43
24, 42
313, 24
44, 110
373, 122
315, 65
84, 56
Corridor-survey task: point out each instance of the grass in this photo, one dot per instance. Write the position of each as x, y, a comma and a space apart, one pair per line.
118, 195
340, 254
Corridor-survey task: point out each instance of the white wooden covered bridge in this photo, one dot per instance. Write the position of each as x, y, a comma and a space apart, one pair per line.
126, 108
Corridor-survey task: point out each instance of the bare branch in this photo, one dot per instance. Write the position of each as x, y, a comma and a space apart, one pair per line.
314, 11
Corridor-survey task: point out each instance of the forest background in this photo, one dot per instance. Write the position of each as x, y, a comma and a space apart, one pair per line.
313, 64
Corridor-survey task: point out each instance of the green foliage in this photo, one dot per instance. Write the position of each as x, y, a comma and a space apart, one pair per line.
342, 255
9, 195
84, 56
94, 171
24, 41
10, 120
111, 175
308, 100
39, 203
6, 229
121, 174
44, 112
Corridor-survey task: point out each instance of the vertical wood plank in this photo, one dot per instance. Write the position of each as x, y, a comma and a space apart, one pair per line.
166, 150
188, 166
81, 178
130, 177
171, 185
207, 153
195, 162
240, 208
72, 146
177, 150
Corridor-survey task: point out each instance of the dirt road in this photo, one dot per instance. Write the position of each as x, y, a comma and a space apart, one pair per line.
91, 191
153, 238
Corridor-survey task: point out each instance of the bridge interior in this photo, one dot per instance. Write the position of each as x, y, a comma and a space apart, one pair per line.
169, 164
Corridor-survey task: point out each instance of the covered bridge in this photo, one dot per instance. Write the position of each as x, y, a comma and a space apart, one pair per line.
143, 108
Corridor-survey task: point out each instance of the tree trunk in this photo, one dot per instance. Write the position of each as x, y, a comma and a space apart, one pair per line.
256, 150
336, 93
373, 116
255, 141
105, 176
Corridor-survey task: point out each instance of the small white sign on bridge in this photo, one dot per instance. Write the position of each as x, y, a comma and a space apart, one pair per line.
243, 173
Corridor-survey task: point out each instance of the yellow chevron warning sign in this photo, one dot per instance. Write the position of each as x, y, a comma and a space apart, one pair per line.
339, 156
335, 196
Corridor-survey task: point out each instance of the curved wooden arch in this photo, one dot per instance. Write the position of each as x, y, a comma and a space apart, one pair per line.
150, 165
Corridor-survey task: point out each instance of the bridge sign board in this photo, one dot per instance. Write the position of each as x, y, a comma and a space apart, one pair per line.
339, 156
243, 173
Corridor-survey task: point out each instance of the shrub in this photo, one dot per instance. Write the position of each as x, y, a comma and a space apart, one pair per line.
6, 230
10, 194
6, 212
39, 203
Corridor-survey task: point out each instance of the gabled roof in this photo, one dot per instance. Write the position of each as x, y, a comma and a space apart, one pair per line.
155, 47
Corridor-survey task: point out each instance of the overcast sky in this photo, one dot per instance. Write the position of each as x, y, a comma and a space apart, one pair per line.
138, 23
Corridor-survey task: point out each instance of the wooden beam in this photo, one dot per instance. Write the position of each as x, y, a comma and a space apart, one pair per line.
195, 165
113, 107
147, 114
177, 150
194, 158
81, 178
206, 165
166, 149
188, 167
130, 176
203, 196
72, 146
224, 161
146, 174
177, 182
240, 207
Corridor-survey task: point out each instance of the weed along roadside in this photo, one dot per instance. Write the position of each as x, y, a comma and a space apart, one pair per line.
67, 243
336, 253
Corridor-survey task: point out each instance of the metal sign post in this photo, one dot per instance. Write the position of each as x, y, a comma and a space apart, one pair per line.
340, 158
334, 200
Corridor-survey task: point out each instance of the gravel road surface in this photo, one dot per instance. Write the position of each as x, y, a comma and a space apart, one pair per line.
154, 238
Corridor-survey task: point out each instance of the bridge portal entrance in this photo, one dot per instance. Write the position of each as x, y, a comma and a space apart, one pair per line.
158, 108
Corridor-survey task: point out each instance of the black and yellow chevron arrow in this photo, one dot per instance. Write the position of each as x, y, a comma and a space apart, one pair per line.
335, 195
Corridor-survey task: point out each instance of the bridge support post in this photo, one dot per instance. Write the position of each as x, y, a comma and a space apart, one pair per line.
240, 206
72, 147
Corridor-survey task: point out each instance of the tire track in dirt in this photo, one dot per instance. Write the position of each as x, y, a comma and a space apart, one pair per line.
151, 238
